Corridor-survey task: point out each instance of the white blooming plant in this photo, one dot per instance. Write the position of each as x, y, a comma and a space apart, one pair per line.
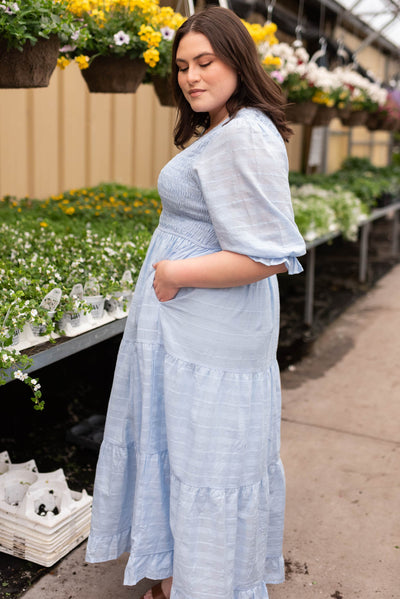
60, 244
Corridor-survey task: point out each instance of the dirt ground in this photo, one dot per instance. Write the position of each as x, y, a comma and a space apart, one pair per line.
79, 386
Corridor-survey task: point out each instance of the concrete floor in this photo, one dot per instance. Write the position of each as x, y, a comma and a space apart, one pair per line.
341, 450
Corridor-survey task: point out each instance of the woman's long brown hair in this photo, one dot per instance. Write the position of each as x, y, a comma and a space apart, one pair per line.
233, 44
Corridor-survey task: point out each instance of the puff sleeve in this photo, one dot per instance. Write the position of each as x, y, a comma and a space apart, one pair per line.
243, 175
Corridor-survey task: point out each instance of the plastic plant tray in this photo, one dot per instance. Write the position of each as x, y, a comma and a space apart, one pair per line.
41, 519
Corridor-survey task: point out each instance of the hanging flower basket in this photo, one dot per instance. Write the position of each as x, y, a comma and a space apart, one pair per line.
302, 112
375, 121
356, 118
343, 113
390, 123
30, 68
163, 89
114, 74
324, 115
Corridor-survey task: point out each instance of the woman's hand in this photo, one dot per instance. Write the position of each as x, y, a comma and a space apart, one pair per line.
164, 287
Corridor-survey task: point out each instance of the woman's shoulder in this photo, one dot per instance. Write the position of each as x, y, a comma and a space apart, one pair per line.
250, 127
253, 119
248, 135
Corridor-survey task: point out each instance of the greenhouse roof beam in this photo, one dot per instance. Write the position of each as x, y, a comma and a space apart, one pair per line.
345, 12
374, 35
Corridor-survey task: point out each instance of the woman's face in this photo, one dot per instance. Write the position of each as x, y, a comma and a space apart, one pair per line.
206, 82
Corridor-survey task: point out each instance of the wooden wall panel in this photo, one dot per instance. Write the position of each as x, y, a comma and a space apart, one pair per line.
99, 142
63, 137
15, 144
122, 138
45, 117
294, 148
73, 100
144, 134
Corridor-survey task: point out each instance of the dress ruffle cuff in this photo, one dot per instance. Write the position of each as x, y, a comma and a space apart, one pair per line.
291, 262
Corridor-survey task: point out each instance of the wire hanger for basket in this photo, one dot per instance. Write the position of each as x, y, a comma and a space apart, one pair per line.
270, 9
188, 7
299, 27
322, 40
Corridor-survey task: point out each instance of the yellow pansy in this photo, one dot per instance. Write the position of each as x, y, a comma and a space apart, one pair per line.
272, 61
82, 61
151, 57
63, 62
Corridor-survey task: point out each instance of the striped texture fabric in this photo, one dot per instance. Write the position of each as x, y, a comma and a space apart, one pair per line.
189, 478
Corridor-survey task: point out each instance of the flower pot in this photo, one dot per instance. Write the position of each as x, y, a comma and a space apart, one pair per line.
390, 123
374, 121
114, 74
303, 112
72, 319
16, 337
30, 68
38, 330
356, 118
343, 113
97, 305
323, 116
163, 89
119, 303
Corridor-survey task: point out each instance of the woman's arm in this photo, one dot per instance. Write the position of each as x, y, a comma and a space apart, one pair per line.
217, 270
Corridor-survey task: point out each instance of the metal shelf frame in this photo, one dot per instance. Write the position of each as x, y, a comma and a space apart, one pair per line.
365, 229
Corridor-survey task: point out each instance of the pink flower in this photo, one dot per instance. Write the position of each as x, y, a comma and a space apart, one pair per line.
277, 75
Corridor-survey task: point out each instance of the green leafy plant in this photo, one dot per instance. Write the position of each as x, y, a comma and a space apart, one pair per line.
98, 233
24, 21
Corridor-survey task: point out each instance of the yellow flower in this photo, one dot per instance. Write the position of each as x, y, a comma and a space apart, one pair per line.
43, 224
151, 57
272, 61
321, 97
82, 61
63, 62
262, 33
148, 35
69, 210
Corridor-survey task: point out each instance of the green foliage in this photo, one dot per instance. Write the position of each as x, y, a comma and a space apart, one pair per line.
369, 183
24, 21
96, 234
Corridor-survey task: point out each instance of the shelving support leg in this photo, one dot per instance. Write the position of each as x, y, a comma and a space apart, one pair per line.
310, 279
395, 233
362, 270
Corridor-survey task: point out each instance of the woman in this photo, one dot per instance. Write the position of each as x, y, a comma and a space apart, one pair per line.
189, 479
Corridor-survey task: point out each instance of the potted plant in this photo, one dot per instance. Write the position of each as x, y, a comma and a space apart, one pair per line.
159, 72
114, 42
290, 67
29, 41
365, 96
327, 95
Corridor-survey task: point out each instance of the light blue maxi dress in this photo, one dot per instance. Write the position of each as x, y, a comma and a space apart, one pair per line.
189, 478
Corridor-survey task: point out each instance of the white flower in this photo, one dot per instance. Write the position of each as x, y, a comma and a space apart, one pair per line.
34, 381
18, 374
36, 387
167, 33
34, 312
121, 38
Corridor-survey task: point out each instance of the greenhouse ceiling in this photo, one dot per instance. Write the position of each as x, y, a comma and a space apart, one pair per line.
382, 16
